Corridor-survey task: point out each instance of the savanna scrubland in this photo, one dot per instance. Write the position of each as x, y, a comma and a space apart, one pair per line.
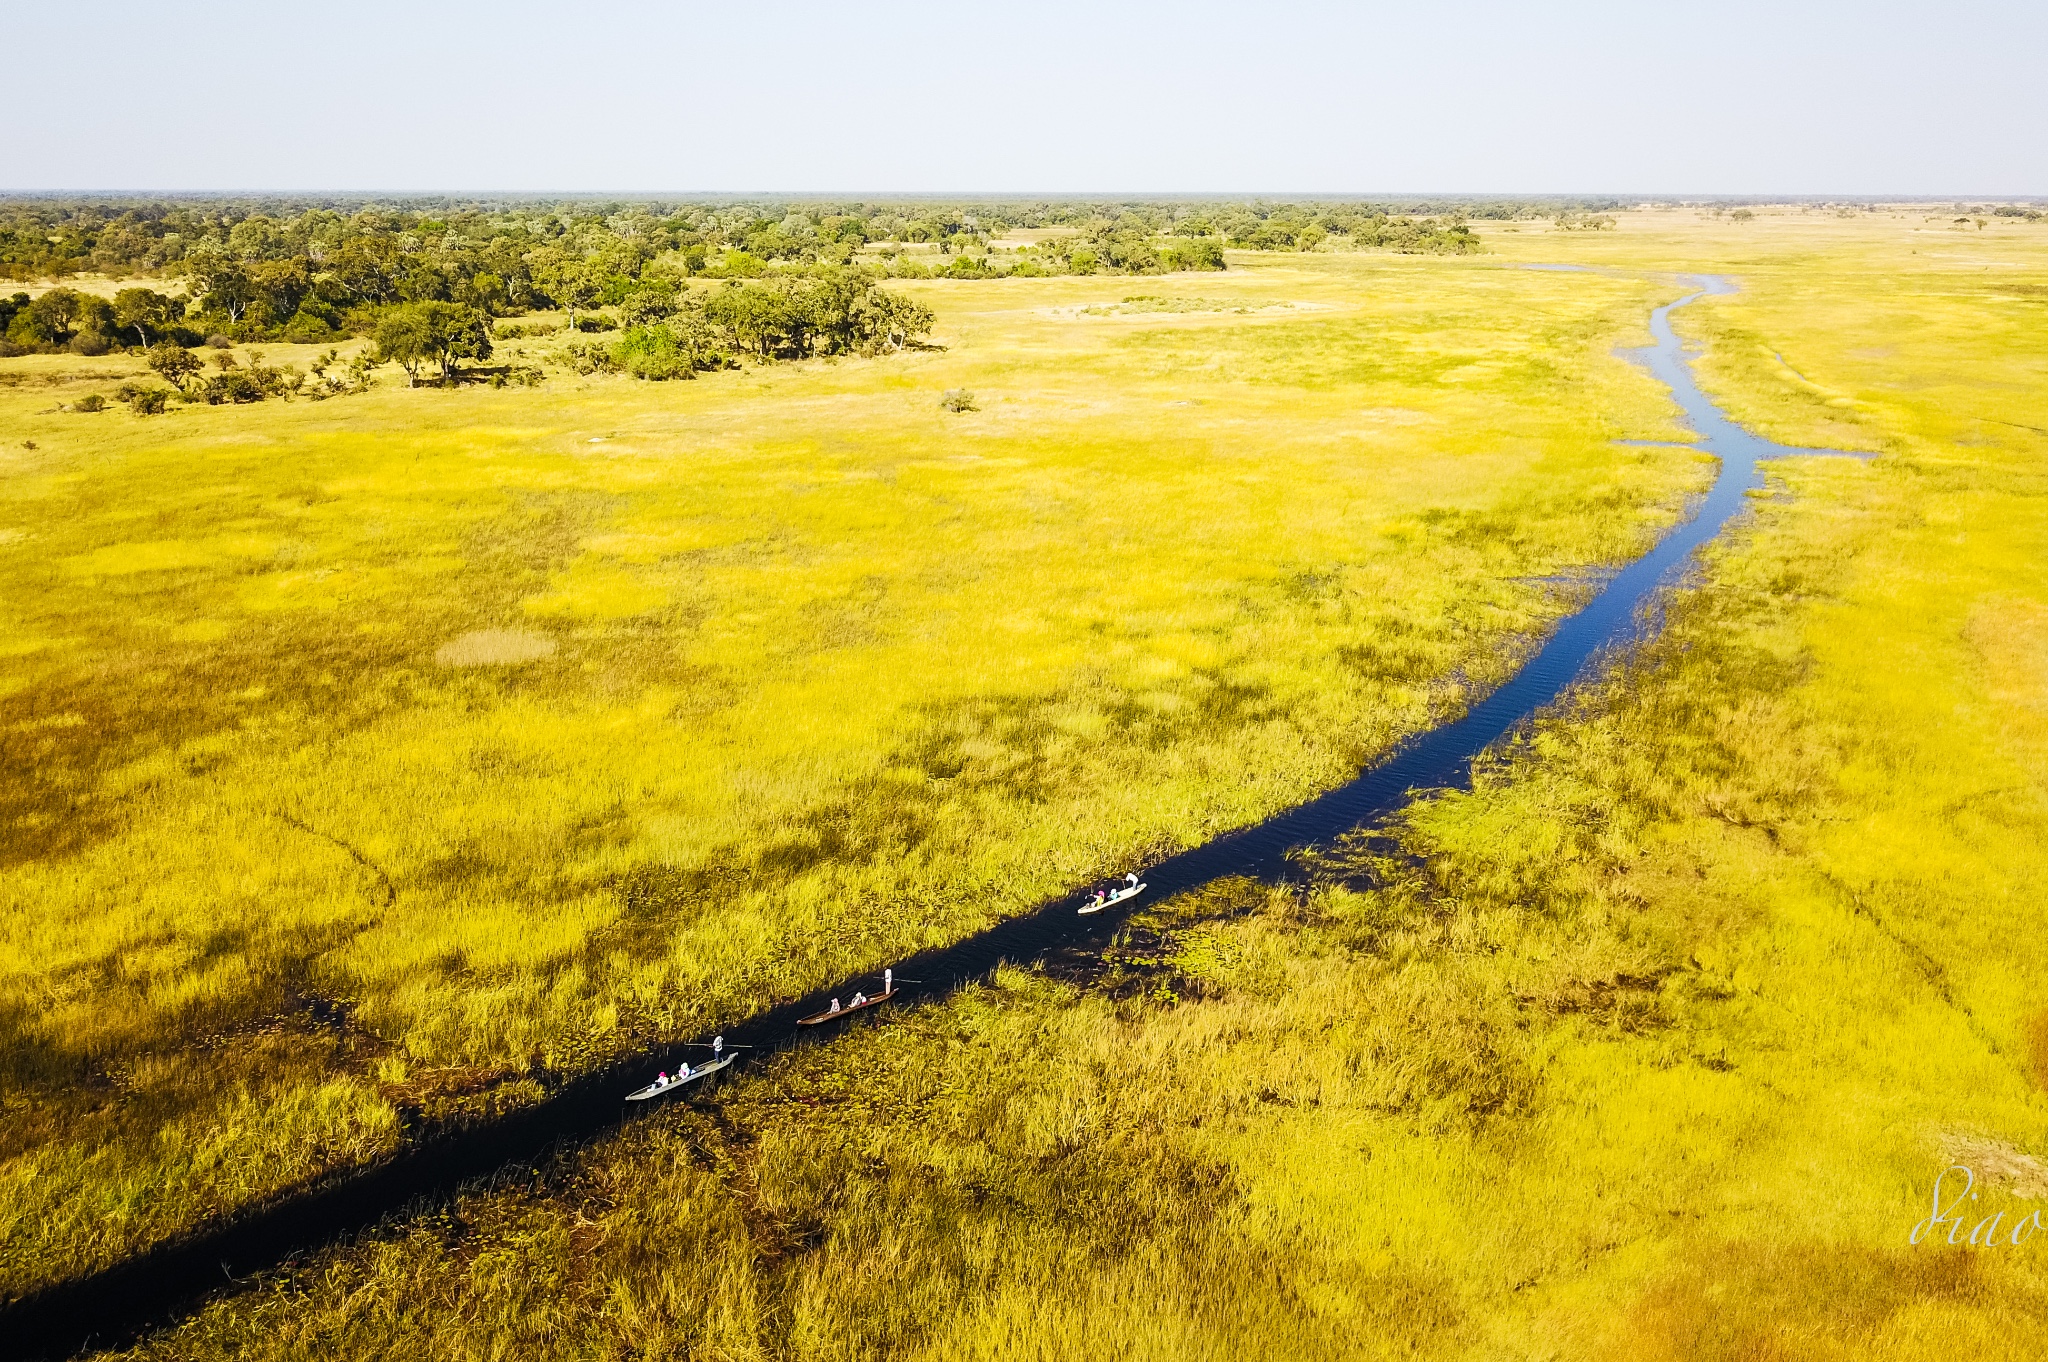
395, 754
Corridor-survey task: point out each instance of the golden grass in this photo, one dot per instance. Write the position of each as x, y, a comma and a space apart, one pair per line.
836, 674
494, 648
1651, 1045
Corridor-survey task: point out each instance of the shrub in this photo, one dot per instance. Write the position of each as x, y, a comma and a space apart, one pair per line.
258, 381
220, 342
90, 402
89, 343
232, 386
144, 401
958, 399
589, 357
656, 352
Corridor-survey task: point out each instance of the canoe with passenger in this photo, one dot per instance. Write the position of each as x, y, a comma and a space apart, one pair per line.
1113, 893
666, 1083
860, 1002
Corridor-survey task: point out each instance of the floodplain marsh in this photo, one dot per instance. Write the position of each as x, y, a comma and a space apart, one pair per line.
1651, 1044
375, 762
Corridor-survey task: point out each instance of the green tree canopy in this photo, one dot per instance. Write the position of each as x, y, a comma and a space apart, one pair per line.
142, 311
413, 335
173, 363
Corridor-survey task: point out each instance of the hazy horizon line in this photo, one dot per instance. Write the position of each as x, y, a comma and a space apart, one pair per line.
1164, 196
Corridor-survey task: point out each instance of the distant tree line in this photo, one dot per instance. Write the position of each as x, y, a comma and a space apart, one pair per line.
380, 250
426, 281
313, 272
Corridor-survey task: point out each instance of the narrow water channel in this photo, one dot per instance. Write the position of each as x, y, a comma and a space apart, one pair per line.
121, 1302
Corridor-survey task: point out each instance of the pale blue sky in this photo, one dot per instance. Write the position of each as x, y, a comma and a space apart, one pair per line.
1716, 96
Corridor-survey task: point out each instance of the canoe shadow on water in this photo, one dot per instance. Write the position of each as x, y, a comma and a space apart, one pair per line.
121, 1302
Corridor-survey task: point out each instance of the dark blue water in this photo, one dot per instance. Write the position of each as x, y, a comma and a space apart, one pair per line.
123, 1301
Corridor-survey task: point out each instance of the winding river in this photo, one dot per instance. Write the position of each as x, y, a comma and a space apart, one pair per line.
121, 1302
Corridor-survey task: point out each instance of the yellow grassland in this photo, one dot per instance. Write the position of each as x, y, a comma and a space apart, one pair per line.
1650, 1046
369, 761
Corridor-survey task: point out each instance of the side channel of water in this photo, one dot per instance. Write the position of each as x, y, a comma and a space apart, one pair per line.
121, 1302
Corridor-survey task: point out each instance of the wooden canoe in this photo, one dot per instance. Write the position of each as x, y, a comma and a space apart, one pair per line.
686, 1077
1118, 897
848, 1010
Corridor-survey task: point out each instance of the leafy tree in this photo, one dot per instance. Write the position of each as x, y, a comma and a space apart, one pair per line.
140, 309
677, 348
647, 304
1198, 253
224, 285
366, 269
50, 320
889, 321
460, 333
174, 363
763, 319
278, 287
832, 306
483, 292
92, 325
62, 318
405, 338
568, 280
413, 335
